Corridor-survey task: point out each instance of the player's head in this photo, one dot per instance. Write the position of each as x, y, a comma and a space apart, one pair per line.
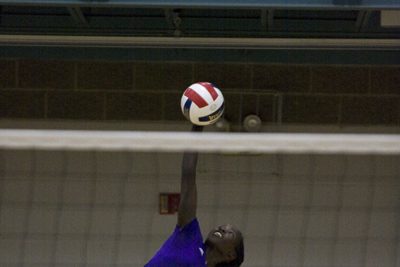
224, 245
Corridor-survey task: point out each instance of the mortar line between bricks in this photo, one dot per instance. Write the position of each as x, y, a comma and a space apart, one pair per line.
104, 106
46, 104
340, 111
225, 91
369, 81
16, 73
75, 76
310, 73
133, 71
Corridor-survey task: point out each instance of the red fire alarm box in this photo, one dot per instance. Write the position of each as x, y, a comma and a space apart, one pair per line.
169, 203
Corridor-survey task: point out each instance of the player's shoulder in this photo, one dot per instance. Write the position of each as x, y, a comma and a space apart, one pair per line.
194, 223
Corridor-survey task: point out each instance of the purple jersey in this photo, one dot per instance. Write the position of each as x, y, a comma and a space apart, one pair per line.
184, 248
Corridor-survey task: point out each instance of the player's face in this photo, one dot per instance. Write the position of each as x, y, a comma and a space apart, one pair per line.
223, 233
224, 238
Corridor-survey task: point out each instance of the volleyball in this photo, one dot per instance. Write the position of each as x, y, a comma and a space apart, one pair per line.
202, 103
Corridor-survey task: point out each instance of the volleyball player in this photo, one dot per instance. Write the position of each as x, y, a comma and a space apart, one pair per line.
223, 246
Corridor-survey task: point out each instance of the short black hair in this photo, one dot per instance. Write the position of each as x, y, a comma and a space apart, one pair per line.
239, 257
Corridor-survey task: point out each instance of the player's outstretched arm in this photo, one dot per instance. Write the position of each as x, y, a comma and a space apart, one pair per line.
188, 202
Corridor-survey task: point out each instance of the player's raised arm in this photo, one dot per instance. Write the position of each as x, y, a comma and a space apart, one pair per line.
188, 201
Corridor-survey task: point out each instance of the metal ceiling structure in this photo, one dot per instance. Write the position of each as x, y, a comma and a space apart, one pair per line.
196, 24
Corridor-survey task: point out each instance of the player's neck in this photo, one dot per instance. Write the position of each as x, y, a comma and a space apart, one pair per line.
212, 259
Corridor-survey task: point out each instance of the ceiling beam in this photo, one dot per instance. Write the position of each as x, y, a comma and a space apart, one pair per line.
201, 42
251, 4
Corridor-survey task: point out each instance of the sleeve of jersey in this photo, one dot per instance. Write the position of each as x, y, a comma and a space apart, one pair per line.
183, 248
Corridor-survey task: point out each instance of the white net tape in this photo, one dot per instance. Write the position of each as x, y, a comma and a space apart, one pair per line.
205, 142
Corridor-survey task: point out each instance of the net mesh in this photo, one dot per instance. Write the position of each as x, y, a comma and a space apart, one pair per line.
91, 207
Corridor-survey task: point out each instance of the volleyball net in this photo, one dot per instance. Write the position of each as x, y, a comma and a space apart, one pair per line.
94, 198
205, 142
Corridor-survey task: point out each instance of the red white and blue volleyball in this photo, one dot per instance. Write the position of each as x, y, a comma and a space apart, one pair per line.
202, 103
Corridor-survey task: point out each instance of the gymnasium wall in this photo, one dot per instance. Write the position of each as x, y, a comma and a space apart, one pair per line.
339, 95
73, 209
101, 209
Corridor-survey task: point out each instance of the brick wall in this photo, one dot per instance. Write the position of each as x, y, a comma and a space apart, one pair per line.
130, 91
